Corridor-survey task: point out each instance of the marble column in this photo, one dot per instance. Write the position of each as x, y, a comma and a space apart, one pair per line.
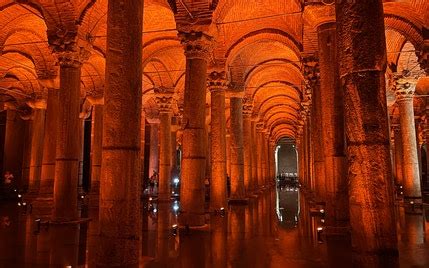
218, 192
248, 146
13, 145
154, 146
254, 156
317, 142
228, 152
404, 98
96, 149
259, 149
26, 152
237, 158
265, 157
398, 155
362, 59
49, 148
120, 211
68, 146
164, 101
36, 154
192, 192
332, 115
174, 129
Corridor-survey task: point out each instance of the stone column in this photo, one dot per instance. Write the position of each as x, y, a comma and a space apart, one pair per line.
259, 149
26, 152
13, 145
249, 183
37, 134
96, 149
174, 129
265, 158
254, 156
310, 71
362, 57
398, 154
197, 46
68, 146
154, 146
164, 100
332, 115
120, 189
228, 152
237, 158
49, 148
404, 98
218, 192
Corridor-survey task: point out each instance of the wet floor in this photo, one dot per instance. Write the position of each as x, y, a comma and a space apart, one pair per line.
273, 230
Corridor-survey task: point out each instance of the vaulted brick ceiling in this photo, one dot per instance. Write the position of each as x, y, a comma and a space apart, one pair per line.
261, 42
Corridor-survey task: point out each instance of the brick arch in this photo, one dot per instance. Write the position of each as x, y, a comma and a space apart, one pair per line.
39, 52
285, 83
267, 33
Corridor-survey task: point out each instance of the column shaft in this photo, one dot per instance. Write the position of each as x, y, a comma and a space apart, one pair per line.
317, 142
409, 148
259, 149
120, 189
218, 193
154, 149
49, 145
399, 179
164, 189
249, 184
13, 146
96, 148
192, 191
68, 146
36, 157
332, 112
253, 152
237, 158
362, 59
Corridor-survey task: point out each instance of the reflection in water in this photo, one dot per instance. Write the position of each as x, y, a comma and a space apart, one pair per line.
273, 230
287, 206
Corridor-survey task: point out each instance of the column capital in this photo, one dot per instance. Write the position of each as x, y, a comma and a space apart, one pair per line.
260, 127
164, 99
73, 59
216, 81
153, 121
404, 88
37, 104
197, 44
247, 106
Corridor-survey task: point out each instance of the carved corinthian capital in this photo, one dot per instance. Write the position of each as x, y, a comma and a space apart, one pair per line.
197, 45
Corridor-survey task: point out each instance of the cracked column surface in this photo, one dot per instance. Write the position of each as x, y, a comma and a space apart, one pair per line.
120, 184
362, 58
